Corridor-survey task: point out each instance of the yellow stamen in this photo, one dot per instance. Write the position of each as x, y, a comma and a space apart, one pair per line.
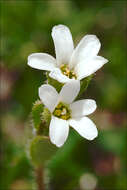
62, 111
57, 112
66, 71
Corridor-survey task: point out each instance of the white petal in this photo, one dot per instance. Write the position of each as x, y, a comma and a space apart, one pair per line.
69, 91
86, 68
57, 75
49, 96
85, 127
42, 61
81, 108
88, 47
58, 131
63, 43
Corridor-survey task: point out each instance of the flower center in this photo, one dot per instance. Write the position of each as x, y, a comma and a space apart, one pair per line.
66, 71
62, 111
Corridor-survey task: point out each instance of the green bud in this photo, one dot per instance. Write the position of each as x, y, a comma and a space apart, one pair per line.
37, 110
41, 150
46, 117
41, 117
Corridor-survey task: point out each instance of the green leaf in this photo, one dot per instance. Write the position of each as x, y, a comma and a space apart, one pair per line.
84, 84
41, 150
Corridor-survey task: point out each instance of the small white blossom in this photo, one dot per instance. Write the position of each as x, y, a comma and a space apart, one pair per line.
65, 112
70, 63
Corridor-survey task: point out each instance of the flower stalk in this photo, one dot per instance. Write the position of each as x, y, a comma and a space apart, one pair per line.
40, 178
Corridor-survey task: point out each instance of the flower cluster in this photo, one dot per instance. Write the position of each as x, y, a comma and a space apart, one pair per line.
69, 68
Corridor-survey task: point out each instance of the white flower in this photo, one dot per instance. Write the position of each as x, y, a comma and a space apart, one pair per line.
65, 112
70, 63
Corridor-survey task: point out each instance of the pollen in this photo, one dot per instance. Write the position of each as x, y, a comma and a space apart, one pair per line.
66, 71
62, 111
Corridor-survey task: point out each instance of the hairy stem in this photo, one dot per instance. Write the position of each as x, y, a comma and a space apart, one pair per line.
40, 178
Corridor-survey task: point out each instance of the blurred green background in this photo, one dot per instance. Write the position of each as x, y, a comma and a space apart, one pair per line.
80, 164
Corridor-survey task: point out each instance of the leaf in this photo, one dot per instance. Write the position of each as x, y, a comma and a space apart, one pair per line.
84, 84
41, 150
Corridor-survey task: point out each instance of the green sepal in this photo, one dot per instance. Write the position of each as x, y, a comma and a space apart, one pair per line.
41, 150
84, 84
57, 85
37, 110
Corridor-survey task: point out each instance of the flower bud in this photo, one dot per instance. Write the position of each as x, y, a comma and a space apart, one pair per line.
37, 109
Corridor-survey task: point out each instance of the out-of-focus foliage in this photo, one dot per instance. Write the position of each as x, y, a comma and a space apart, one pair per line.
79, 164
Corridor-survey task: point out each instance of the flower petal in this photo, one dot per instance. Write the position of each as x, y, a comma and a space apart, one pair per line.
42, 61
83, 107
89, 67
57, 75
58, 131
85, 127
63, 43
49, 96
69, 91
88, 47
